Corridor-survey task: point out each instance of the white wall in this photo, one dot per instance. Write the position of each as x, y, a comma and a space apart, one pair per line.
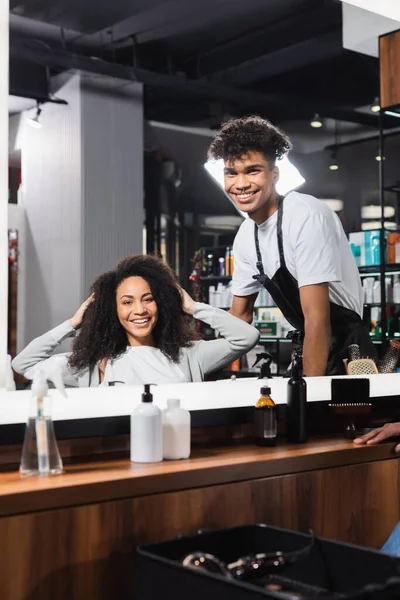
52, 192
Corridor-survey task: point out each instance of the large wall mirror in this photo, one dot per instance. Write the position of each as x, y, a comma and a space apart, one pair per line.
110, 114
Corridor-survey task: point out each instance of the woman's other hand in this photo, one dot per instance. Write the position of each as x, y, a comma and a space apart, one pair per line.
77, 319
379, 435
187, 302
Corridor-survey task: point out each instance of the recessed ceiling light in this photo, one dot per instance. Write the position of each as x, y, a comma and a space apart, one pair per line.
374, 211
334, 204
316, 121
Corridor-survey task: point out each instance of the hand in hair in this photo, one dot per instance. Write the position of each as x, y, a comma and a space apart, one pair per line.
77, 319
187, 302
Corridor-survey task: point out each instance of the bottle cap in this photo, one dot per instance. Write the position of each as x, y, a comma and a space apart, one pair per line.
265, 391
173, 403
147, 396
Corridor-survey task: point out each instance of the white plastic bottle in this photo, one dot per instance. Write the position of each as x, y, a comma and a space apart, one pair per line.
376, 296
146, 430
211, 295
176, 431
396, 290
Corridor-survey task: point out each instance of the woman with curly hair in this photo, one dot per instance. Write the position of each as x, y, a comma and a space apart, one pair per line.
135, 328
295, 247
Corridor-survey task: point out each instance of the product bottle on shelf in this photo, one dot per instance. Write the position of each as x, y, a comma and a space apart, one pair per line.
211, 295
377, 292
396, 290
210, 264
368, 285
227, 262
389, 289
221, 266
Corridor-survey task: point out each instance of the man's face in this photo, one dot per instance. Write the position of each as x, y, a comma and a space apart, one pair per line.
249, 181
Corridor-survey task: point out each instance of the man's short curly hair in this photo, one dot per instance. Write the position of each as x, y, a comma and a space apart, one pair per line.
237, 137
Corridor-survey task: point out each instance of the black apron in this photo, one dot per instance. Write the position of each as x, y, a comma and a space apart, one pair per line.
347, 326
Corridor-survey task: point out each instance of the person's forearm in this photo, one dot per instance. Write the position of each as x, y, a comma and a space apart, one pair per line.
244, 316
316, 349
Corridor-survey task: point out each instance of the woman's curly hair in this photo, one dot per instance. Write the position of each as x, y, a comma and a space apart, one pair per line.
102, 335
240, 136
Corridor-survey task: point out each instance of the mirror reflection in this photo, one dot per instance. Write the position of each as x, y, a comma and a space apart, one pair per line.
275, 220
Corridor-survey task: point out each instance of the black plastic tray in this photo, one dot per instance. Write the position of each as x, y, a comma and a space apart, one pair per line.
345, 571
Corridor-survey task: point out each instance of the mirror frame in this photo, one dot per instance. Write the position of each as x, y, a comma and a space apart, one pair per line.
4, 87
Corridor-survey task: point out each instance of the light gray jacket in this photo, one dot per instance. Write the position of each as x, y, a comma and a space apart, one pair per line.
196, 361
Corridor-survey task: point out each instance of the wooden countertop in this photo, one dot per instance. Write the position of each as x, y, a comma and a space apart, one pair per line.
94, 482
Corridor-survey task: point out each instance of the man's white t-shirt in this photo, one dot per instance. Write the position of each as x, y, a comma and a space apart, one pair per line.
315, 246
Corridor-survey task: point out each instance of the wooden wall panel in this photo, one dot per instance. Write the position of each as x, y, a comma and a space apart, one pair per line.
389, 52
88, 551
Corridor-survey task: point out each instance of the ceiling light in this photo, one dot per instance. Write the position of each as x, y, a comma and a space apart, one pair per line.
392, 114
375, 106
316, 121
370, 225
374, 211
334, 204
35, 121
333, 165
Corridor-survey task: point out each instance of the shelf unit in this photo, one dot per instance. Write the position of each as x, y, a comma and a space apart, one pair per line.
384, 268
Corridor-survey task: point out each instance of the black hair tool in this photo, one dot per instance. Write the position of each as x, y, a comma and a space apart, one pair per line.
265, 368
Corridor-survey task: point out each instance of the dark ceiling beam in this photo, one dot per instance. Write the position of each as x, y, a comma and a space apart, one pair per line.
311, 19
244, 99
165, 19
281, 61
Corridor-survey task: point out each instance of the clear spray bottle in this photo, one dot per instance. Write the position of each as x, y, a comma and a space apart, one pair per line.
40, 454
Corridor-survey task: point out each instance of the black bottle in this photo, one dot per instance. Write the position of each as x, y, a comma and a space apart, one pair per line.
296, 403
265, 419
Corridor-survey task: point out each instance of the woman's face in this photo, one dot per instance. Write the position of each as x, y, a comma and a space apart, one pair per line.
137, 310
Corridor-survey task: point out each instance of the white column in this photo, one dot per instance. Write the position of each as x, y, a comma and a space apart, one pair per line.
82, 177
4, 54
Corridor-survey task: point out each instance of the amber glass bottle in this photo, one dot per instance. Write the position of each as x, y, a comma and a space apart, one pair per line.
265, 419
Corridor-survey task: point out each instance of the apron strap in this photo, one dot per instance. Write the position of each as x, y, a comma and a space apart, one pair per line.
279, 233
261, 277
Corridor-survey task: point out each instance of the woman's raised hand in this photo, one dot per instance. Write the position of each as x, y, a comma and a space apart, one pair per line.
187, 302
77, 319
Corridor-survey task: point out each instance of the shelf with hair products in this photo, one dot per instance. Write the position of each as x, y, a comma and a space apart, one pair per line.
377, 251
211, 281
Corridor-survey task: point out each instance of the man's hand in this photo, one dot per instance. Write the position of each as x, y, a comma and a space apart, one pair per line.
379, 435
315, 305
243, 306
77, 319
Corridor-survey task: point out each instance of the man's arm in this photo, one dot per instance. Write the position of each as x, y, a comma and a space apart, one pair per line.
243, 306
315, 305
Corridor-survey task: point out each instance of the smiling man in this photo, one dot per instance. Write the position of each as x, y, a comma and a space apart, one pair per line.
294, 246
